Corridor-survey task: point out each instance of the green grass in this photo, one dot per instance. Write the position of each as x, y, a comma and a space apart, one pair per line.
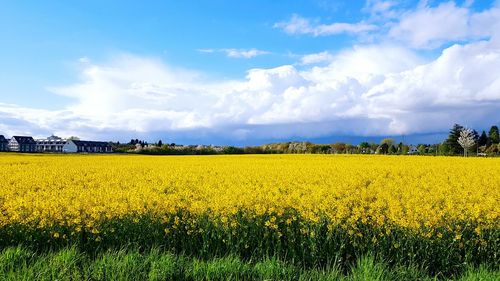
18, 263
251, 240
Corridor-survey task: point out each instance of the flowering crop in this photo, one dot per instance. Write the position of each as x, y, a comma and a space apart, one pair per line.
307, 207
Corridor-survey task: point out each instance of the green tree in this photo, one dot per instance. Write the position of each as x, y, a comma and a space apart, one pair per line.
387, 141
451, 145
382, 149
364, 147
421, 148
483, 139
404, 149
493, 135
393, 149
323, 148
233, 150
350, 148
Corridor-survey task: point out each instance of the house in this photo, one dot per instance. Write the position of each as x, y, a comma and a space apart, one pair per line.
4, 143
73, 146
50, 144
22, 144
412, 149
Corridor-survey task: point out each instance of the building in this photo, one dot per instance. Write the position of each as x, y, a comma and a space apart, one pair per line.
22, 144
50, 144
412, 149
4, 143
73, 146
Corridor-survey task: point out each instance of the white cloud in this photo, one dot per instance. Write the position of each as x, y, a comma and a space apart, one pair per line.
300, 25
316, 58
429, 27
237, 53
364, 90
244, 53
424, 26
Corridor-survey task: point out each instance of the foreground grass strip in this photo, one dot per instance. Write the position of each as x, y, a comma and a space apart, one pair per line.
20, 263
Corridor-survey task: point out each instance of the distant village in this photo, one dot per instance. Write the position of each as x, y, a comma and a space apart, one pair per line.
53, 144
57, 144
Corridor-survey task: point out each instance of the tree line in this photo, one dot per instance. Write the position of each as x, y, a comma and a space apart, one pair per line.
486, 143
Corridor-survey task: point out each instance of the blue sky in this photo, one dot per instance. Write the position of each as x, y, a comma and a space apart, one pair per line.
247, 72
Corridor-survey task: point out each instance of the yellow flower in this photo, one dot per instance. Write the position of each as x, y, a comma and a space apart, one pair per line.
419, 195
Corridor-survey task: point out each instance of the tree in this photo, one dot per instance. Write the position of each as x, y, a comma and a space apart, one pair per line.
466, 140
393, 149
421, 148
493, 135
253, 150
73, 138
382, 149
451, 145
338, 147
493, 149
403, 148
476, 139
233, 150
160, 143
321, 148
350, 148
434, 149
483, 139
387, 141
384, 146
364, 147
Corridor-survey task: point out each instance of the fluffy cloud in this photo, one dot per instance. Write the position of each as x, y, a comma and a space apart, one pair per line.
300, 25
424, 26
364, 90
431, 27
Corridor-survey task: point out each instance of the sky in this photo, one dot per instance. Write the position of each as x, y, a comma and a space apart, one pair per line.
248, 72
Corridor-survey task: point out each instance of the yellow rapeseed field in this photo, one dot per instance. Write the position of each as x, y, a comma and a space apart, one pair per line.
359, 196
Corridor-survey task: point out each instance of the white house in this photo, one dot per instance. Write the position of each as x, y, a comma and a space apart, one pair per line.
50, 144
73, 146
412, 149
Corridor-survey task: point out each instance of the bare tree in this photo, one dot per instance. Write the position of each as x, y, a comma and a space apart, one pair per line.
466, 140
